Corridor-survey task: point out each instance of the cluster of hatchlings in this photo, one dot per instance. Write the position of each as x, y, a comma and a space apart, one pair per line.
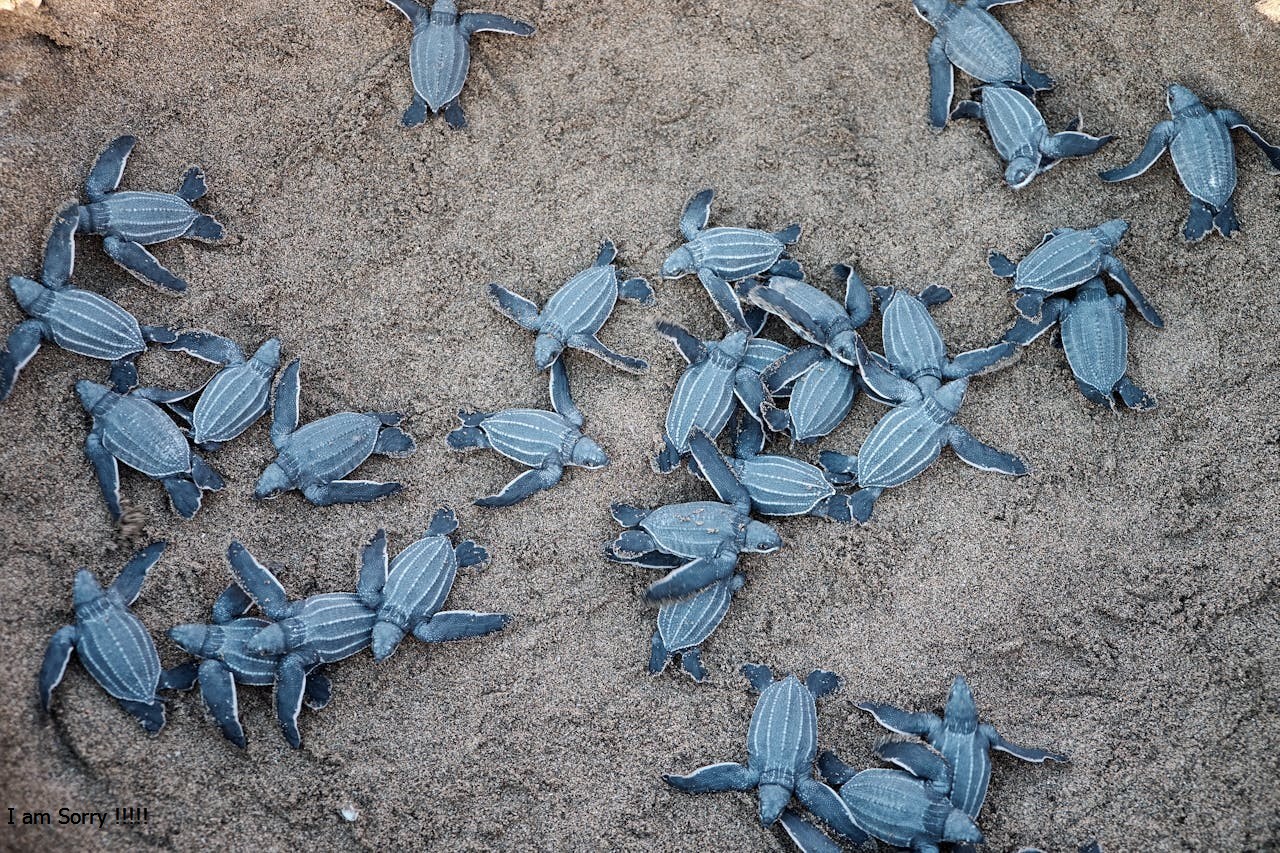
747, 383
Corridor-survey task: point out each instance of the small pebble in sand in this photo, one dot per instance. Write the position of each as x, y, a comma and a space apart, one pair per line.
349, 813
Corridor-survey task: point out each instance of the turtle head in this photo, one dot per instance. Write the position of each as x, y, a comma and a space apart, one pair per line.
91, 393
203, 641
1180, 99
386, 636
951, 395
27, 292
678, 263
546, 349
272, 482
1113, 231
761, 538
844, 345
1021, 170
960, 827
930, 10
773, 799
85, 589
269, 353
588, 454
961, 711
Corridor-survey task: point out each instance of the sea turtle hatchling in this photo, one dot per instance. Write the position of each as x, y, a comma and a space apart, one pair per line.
906, 808
415, 586
699, 542
1199, 141
314, 457
1067, 258
1022, 137
545, 441
77, 320
969, 38
812, 314
1095, 339
127, 220
962, 739
575, 312
237, 395
685, 624
320, 629
440, 55
131, 428
722, 255
225, 661
113, 645
782, 743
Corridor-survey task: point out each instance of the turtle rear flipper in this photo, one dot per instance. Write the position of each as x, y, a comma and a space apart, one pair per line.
204, 475
206, 229
1134, 397
141, 264
150, 714
467, 438
1000, 265
636, 290
1037, 80
1225, 219
691, 663
469, 554
627, 515
416, 113
349, 492
787, 267
181, 677
184, 494
668, 459
659, 655
193, 185
454, 115
449, 625
1200, 221
861, 502
318, 692
394, 442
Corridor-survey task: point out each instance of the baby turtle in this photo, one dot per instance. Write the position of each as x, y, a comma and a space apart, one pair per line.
1096, 340
962, 739
440, 55
970, 39
911, 436
815, 316
129, 220
684, 625
782, 742
237, 395
1067, 258
131, 428
112, 644
905, 808
723, 254
304, 634
1199, 141
314, 457
225, 661
778, 485
76, 320
575, 312
416, 585
545, 441
1022, 137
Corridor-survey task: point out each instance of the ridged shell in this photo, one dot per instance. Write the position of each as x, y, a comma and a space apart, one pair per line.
896, 807
235, 398
1205, 158
901, 445
337, 625
1096, 341
912, 343
92, 325
420, 577
439, 57
977, 45
686, 623
1013, 121
143, 217
970, 768
117, 651
248, 668
584, 302
783, 738
528, 435
780, 485
1061, 263
330, 448
703, 399
142, 436
821, 399
735, 253
694, 529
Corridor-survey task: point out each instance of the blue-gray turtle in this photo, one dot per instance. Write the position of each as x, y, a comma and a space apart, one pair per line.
415, 586
237, 395
545, 441
925, 388
127, 220
703, 399
815, 316
1067, 258
131, 428
315, 457
76, 320
969, 38
778, 485
575, 312
964, 741
1022, 137
306, 634
706, 536
440, 55
113, 645
782, 743
906, 808
722, 255
820, 389
686, 623
225, 661
1199, 141
1095, 338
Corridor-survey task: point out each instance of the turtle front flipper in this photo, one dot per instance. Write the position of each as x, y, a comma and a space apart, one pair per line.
1112, 267
726, 776
941, 83
637, 290
967, 109
918, 760
349, 492
716, 471
561, 400
284, 414
150, 714
22, 346
373, 571
449, 625
592, 345
804, 835
515, 307
141, 264
1024, 331
484, 22
60, 249
1026, 753
693, 576
291, 681
1073, 144
984, 457
258, 581
128, 584
107, 470
1235, 121
1159, 139
903, 722
979, 361
829, 808
108, 169
526, 484
207, 346
696, 213
56, 658
218, 691
691, 349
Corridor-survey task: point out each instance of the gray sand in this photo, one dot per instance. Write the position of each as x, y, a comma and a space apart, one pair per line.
1119, 604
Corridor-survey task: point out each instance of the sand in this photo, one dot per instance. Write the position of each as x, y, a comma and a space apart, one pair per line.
1120, 604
